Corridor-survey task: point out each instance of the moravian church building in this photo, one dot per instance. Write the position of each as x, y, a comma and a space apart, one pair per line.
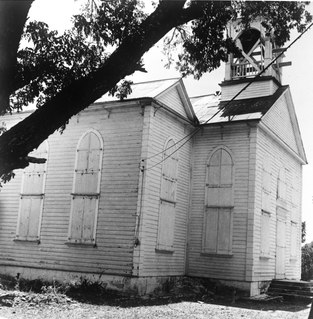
163, 185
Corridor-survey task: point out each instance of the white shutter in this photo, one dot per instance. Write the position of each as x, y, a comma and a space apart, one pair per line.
265, 233
210, 231
34, 217
89, 218
31, 201
86, 189
226, 196
295, 195
294, 246
266, 185
224, 231
282, 187
213, 196
166, 226
226, 169
214, 175
77, 219
217, 230
266, 201
25, 211
220, 180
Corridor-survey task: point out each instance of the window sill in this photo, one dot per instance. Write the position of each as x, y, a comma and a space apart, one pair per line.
80, 244
167, 251
25, 240
228, 255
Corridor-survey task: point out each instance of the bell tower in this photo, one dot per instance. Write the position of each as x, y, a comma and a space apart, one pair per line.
257, 50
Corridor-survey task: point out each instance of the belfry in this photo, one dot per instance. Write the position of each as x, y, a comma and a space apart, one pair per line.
258, 57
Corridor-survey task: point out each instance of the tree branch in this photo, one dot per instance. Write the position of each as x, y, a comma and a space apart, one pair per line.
36, 160
16, 143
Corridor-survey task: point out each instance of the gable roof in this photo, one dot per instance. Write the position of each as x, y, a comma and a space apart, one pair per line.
210, 109
283, 112
157, 90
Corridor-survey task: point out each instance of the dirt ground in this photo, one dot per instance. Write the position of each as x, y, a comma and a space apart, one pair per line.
52, 305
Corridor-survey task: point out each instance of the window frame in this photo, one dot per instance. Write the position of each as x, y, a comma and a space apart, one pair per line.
39, 195
219, 206
160, 246
95, 195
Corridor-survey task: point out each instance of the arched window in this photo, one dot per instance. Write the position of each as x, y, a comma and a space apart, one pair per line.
167, 197
217, 232
32, 194
86, 189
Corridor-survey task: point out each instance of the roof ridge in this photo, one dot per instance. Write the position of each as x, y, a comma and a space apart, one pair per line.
203, 95
159, 80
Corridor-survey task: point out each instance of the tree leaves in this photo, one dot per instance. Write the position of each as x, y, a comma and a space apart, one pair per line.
207, 43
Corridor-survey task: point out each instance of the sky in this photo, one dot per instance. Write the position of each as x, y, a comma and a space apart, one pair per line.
57, 14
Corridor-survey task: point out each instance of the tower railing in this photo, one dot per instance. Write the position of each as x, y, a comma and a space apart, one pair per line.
245, 69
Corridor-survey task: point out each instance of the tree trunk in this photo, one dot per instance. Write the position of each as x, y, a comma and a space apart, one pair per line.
28, 134
13, 16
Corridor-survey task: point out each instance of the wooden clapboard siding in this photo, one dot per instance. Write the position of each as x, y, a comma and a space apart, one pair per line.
277, 115
121, 131
256, 89
264, 268
172, 99
236, 139
162, 127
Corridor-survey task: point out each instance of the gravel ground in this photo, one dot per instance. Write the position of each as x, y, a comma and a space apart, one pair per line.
57, 306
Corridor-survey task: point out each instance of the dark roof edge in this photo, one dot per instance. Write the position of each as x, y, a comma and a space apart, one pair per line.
230, 122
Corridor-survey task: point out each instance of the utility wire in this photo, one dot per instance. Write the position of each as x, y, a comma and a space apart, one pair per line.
190, 135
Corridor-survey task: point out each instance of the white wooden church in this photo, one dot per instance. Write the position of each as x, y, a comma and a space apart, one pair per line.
163, 185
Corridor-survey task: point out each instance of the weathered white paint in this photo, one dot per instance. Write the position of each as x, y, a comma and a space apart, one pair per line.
163, 126
166, 225
113, 254
235, 138
256, 89
144, 210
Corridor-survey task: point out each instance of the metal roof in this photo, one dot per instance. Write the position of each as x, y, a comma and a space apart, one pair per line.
149, 89
210, 108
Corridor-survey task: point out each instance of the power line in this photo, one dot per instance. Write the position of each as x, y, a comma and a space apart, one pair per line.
190, 135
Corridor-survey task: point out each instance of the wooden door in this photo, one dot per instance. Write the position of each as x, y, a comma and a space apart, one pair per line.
280, 248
